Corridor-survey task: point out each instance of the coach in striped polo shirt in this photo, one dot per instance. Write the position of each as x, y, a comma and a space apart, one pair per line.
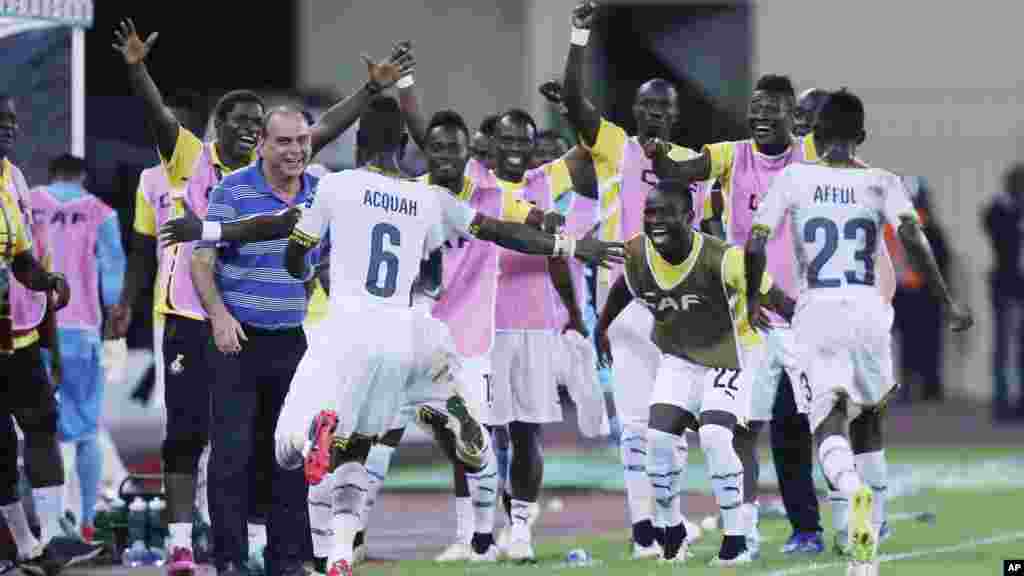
256, 310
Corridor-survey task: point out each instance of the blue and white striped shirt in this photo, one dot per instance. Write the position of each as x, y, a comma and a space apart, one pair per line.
253, 281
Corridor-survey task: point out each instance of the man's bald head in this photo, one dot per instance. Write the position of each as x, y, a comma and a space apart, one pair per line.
805, 115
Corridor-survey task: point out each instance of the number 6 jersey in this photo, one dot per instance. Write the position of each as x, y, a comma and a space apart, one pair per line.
837, 216
381, 228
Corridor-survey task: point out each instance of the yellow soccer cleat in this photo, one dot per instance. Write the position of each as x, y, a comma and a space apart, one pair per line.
863, 541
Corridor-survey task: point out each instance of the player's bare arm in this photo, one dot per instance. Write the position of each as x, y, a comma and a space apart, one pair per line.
755, 260
561, 279
159, 117
528, 240
142, 267
582, 115
299, 245
922, 259
33, 276
342, 115
227, 332
189, 228
618, 298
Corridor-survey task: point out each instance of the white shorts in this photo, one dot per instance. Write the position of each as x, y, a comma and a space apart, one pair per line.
846, 352
523, 387
699, 389
366, 365
635, 363
471, 383
780, 355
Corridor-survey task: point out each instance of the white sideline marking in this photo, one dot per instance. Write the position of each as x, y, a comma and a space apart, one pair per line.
965, 545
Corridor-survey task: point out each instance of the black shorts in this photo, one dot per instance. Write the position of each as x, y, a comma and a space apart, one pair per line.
27, 393
188, 374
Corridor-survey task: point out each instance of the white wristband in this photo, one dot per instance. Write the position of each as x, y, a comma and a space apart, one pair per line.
211, 232
405, 82
571, 252
580, 36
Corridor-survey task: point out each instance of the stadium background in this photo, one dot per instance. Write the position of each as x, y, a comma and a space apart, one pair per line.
943, 96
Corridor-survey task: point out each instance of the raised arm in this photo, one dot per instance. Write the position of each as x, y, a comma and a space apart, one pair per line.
583, 116
343, 115
159, 117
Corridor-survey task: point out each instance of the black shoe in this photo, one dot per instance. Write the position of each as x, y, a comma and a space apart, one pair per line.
60, 553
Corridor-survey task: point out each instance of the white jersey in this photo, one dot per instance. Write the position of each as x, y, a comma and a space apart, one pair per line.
837, 216
380, 229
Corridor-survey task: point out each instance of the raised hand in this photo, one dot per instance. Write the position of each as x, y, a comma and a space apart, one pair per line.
187, 228
128, 43
583, 14
387, 72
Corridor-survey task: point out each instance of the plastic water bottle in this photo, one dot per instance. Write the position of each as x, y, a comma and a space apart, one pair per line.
155, 536
136, 554
578, 557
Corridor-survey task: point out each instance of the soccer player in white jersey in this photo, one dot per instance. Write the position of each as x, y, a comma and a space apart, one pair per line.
381, 353
838, 208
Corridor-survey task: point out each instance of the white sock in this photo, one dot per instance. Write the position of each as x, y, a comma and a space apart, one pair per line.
257, 538
873, 469
524, 514
665, 463
840, 510
836, 459
639, 494
321, 518
378, 461
726, 472
751, 516
49, 508
463, 520
202, 503
483, 489
17, 522
181, 535
349, 484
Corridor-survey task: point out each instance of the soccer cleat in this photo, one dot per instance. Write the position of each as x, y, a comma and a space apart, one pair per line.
743, 558
810, 543
646, 552
863, 544
471, 443
681, 556
181, 562
340, 568
491, 555
321, 436
60, 553
457, 552
520, 549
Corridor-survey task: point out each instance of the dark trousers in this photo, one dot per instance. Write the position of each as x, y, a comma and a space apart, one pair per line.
793, 453
189, 371
247, 398
919, 322
1008, 319
27, 394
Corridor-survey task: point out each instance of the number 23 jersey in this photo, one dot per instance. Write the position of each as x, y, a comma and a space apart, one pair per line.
381, 228
837, 216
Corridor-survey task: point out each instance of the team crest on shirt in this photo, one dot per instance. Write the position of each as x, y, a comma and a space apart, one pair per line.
178, 366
